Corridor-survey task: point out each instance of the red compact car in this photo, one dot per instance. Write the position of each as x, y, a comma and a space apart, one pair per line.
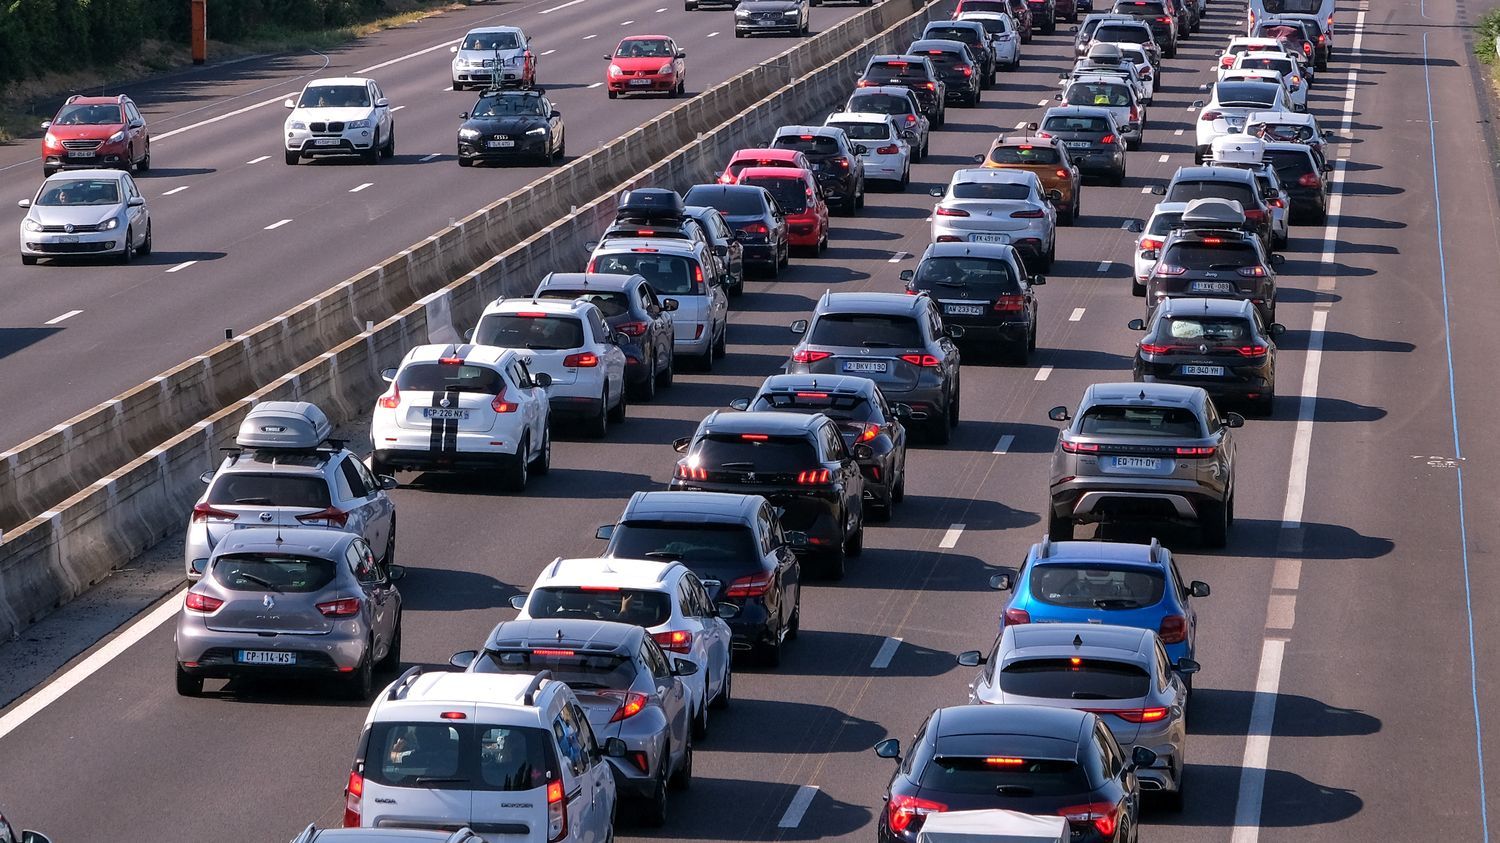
797, 192
96, 132
743, 158
646, 64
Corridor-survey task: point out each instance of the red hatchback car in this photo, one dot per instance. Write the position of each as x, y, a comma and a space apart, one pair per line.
96, 132
646, 64
743, 158
796, 190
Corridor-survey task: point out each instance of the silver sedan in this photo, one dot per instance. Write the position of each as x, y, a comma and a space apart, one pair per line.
86, 213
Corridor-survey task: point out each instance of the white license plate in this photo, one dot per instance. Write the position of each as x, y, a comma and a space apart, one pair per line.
500, 144
1213, 287
989, 238
68, 238
1077, 144
964, 309
866, 366
265, 657
1212, 371
1147, 463
640, 81
80, 154
444, 413
325, 141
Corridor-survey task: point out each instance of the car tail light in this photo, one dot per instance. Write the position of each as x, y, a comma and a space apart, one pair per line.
1062, 174
1255, 215
1103, 815
500, 405
1135, 114
1169, 269
1173, 629
1033, 214
814, 477
869, 432
1107, 139
888, 150
926, 361
1150, 243
687, 472
842, 162
804, 355
630, 703
1306, 48
1153, 348
756, 228
204, 512
1079, 447
944, 211
1277, 203
1015, 617
727, 178
1133, 715
1310, 180
1323, 39
331, 517
1210, 115
905, 813
391, 400
633, 329
1252, 271
590, 267
1163, 20
586, 360
1043, 135
968, 71
932, 86
755, 585
354, 793
911, 118
344, 607
640, 761
1251, 350
1010, 304
675, 641
1197, 451
202, 602
557, 812
863, 83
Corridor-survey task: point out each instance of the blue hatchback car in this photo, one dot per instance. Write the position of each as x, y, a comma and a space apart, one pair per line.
1100, 582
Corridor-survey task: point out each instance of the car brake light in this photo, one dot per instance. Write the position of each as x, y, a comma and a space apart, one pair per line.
1306, 48
590, 267
1135, 114
1062, 174
202, 602
814, 477
1033, 214
1014, 617
926, 361
1079, 447
1107, 139
204, 512
727, 178
1150, 243
755, 228
944, 211
1169, 269
1010, 304
1133, 715
344, 607
459, 361
391, 400
631, 703
687, 472
911, 118
932, 86
354, 793
1102, 814
1153, 348
1252, 271
552, 653
1197, 451
1173, 629
633, 329
803, 355
500, 405
1255, 214
1251, 350
868, 433
586, 360
755, 585
905, 813
755, 437
675, 641
557, 812
1213, 241
1277, 203
968, 71
888, 150
863, 83
331, 517
1163, 20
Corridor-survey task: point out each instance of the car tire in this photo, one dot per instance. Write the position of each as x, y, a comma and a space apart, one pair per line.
706, 360
739, 34
1215, 522
722, 699
389, 150
721, 345
513, 475
700, 722
859, 203
1137, 289
854, 545
940, 429
617, 413
1265, 406
955, 405
794, 626
188, 685
614, 95
1051, 257
653, 812
905, 179
881, 511
388, 556
146, 245
769, 654
379, 466
690, 7
360, 684
465, 162
392, 661
144, 165
597, 427
542, 465
682, 779
1066, 219
833, 562
47, 172
127, 252
898, 494
851, 204
669, 374
1172, 800
1059, 527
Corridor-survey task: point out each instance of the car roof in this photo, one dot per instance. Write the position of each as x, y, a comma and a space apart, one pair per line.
1211, 173
315, 541
339, 80
1025, 140
1072, 552
829, 131
889, 90
116, 99
976, 24
860, 117
716, 507
1077, 111
1089, 78
1152, 393
1207, 306
1287, 117
1169, 208
1058, 639
641, 574
489, 29
646, 38
612, 282
845, 384
1041, 721
101, 173
1289, 146
947, 45
559, 307
778, 153
1002, 175
761, 421
617, 245
885, 303
471, 354
996, 251
597, 636
384, 835
789, 173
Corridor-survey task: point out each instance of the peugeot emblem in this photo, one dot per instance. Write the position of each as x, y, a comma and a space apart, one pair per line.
1203, 349
268, 601
444, 402
749, 477
68, 228
265, 517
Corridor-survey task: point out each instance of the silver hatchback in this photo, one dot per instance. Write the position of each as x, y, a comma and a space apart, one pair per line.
290, 602
86, 213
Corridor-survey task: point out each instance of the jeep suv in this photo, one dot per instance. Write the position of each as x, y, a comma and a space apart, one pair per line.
91, 132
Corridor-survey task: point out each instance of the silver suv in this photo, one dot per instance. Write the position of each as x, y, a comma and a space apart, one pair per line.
1144, 451
290, 472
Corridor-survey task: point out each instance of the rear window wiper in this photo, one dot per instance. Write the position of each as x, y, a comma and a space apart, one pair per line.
439, 780
669, 555
953, 283
261, 501
1116, 603
258, 581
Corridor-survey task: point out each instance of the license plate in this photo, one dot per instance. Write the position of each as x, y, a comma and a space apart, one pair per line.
68, 238
500, 144
1077, 144
325, 141
1212, 371
865, 366
265, 657
964, 309
989, 238
81, 154
640, 81
766, 23
1147, 463
1213, 287
1236, 124
444, 413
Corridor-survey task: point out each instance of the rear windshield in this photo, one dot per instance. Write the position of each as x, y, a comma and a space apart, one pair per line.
1164, 222
272, 572
509, 330
1283, 32
982, 775
1135, 55
791, 193
457, 756
609, 303
1140, 421
772, 454
1139, 7
896, 70
1223, 330
714, 551
302, 490
952, 33
994, 26
1096, 587
668, 274
1203, 256
837, 407
1076, 679
578, 669
990, 190
450, 377
982, 278
1076, 124
864, 131
1246, 93
879, 104
739, 164
1287, 132
728, 202
808, 144
868, 330
1291, 164
1027, 154
942, 58
1101, 94
982, 6
1254, 62
639, 608
1187, 191
1292, 7
1128, 34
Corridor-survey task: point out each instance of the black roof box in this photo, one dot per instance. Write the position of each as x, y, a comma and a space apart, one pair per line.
650, 203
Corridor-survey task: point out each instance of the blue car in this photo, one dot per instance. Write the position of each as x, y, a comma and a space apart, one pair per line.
1098, 582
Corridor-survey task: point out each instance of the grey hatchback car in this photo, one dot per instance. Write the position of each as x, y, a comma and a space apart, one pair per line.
626, 684
290, 601
897, 341
1144, 451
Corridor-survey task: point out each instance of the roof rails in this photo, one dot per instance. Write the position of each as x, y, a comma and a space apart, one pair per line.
307, 835
1155, 551
529, 698
402, 686
1046, 547
666, 568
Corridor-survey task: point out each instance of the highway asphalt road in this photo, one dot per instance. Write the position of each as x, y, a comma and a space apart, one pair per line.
1339, 699
241, 237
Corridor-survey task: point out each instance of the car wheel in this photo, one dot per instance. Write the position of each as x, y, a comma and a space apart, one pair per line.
513, 475
188, 685
1059, 527
1215, 522
1266, 405
880, 511
770, 652
389, 556
146, 245
955, 405
855, 544
898, 494
48, 171
389, 150
1172, 800
861, 203
653, 812
598, 426
739, 34
722, 699
392, 661
1077, 204
465, 162
905, 179
683, 778
361, 683
1137, 288
833, 562
786, 253
706, 359
940, 429
1051, 256
144, 165
669, 374
721, 346
700, 722
127, 252
1066, 219
851, 204
542, 465
1031, 336
614, 95
617, 413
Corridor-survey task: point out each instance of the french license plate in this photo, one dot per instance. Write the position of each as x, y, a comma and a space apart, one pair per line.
964, 309
866, 366
81, 154
325, 141
1212, 371
1077, 144
68, 238
765, 23
500, 144
1213, 287
444, 413
265, 657
640, 81
1236, 124
1146, 463
989, 238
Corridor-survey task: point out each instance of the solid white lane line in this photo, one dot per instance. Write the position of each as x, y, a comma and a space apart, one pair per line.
181, 266
397, 108
1162, 159
361, 187
793, 816
1104, 266
887, 652
711, 34
548, 53
422, 52
257, 160
950, 538
1003, 446
51, 692
69, 315
1043, 373
430, 157
596, 84
237, 112
176, 190
1258, 744
563, 6
587, 37
275, 225
1296, 483
897, 257
1076, 315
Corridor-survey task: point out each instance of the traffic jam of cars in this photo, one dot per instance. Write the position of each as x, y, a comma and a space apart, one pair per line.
1076, 720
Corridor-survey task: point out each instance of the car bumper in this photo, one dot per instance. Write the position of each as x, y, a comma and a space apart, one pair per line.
54, 244
526, 147
331, 145
692, 338
761, 253
485, 77
1229, 387
752, 627
642, 84
630, 782
885, 167
774, 28
804, 233
980, 334
1094, 163
104, 157
205, 652
575, 406
1097, 498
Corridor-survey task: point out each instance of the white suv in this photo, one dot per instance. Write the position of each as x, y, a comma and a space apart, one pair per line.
568, 340
511, 757
457, 407
662, 596
341, 116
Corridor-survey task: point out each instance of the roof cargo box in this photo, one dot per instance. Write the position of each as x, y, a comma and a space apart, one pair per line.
992, 826
295, 425
650, 203
1213, 213
1238, 149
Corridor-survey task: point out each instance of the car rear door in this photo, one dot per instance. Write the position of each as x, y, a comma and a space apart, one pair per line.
716, 635
362, 500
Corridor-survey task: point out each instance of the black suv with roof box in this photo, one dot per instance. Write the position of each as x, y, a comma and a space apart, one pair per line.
1212, 256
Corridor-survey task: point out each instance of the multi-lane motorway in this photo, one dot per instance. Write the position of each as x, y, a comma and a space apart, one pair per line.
1348, 645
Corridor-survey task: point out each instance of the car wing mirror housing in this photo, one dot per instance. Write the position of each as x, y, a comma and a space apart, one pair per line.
1058, 414
889, 748
463, 658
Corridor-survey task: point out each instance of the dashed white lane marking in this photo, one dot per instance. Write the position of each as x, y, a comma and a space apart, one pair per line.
1103, 266
1003, 446
69, 315
1192, 108
422, 52
397, 108
548, 53
1076, 315
1146, 189
659, 11
1021, 125
711, 34
793, 816
587, 37
181, 266
446, 88
275, 225
1287, 574
257, 160
361, 187
1162, 159
1258, 743
1043, 373
1296, 484
1178, 133
887, 652
1044, 102
430, 157
950, 538
928, 219
1281, 611
596, 84
176, 190
563, 6
626, 22
897, 257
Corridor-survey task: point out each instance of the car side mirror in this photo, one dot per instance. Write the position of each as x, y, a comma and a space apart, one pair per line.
740, 404
24, 203
1268, 193
1054, 195
1187, 666
682, 54
953, 332
728, 611
388, 482
795, 538
1135, 227
29, 836
683, 667
799, 326
1073, 29
889, 748
721, 250
463, 115
605, 532
395, 572
681, 445
1136, 324
453, 49
463, 658
908, 134
1276, 329
1058, 414
669, 305
1277, 259
388, 375
555, 113
1151, 255
1198, 588
1234, 420
1158, 190
541, 379
469, 334
1327, 134
1197, 103
907, 275
1062, 76
620, 338
1142, 757
616, 748
971, 658
590, 245
518, 602
285, 103
382, 103
863, 452
46, 124
1038, 280
135, 202
1001, 582
901, 411
1058, 97
937, 192
207, 477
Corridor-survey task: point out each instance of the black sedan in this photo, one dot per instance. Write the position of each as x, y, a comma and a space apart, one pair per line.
1218, 344
1026, 758
755, 217
510, 125
983, 287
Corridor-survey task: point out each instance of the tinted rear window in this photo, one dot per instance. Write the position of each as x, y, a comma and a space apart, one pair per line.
983, 5
1292, 7
450, 377
896, 70
578, 669
1076, 124
1164, 222
994, 26
944, 59
952, 33
1241, 93
864, 131
740, 164
668, 274
808, 144
1063, 679
1128, 34
1140, 421
1254, 62
508, 330
728, 202
791, 193
1222, 330
1187, 191
1097, 587
609, 303
270, 490
460, 756
1291, 164
869, 330
879, 104
1283, 32
982, 775
990, 190
1291, 132
1101, 94
639, 608
773, 455
1202, 256
983, 278
835, 406
716, 551
1029, 154
273, 572
1139, 7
